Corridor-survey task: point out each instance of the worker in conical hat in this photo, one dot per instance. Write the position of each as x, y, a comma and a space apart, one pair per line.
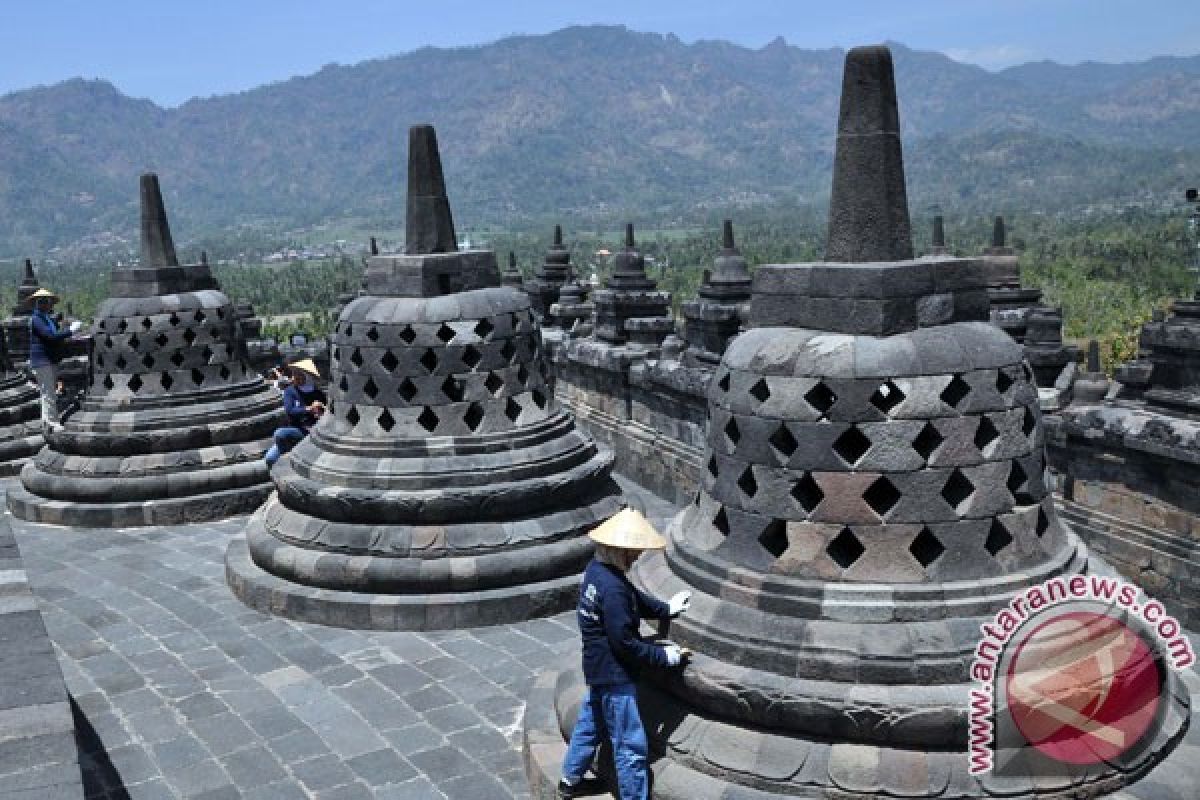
304, 403
47, 347
610, 612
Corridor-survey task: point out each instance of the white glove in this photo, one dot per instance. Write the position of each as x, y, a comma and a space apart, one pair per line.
76, 326
674, 654
679, 603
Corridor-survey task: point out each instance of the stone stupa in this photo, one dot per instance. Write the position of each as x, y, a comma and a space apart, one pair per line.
445, 487
174, 425
873, 493
548, 279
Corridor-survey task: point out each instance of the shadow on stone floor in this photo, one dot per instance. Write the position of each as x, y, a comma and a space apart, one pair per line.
100, 777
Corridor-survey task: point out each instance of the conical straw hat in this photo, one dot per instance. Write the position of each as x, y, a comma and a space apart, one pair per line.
630, 530
40, 293
306, 365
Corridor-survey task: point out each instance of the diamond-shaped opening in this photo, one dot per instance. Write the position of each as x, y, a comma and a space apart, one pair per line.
121, 362
199, 316
99, 359
721, 521
724, 382
228, 349
1004, 381
774, 538
955, 392
1016, 480
207, 354
446, 333
135, 383
352, 416
821, 398
174, 320
161, 340
148, 361
428, 420
928, 441
926, 548
197, 377
473, 417
957, 489
166, 380
747, 484
108, 342
508, 351
373, 334
483, 328
344, 384
882, 496
220, 313
522, 375
177, 358
807, 493
122, 326
356, 358
998, 538
349, 329
732, 434
512, 409
408, 335
108, 382
146, 323
134, 341
429, 360
852, 445
1043, 523
539, 398
760, 391
408, 390
845, 549
224, 372
387, 421
370, 389
887, 397
985, 434
783, 441
453, 389
189, 336
471, 356
493, 383
712, 466
1029, 422
389, 361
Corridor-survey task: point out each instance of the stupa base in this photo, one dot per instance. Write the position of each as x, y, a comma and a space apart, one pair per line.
165, 511
697, 756
271, 594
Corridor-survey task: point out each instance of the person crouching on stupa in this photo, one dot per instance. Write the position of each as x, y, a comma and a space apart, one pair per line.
47, 346
304, 403
610, 612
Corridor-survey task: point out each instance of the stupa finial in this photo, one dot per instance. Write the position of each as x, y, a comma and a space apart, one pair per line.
158, 250
429, 226
999, 235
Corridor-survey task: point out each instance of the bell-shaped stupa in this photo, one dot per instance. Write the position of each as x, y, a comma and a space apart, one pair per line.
445, 487
174, 424
873, 494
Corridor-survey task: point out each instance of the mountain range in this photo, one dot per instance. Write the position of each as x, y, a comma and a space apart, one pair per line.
589, 123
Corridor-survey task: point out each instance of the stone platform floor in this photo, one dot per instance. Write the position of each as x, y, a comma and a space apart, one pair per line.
182, 692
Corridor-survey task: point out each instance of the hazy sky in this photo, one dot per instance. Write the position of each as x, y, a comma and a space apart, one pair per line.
171, 50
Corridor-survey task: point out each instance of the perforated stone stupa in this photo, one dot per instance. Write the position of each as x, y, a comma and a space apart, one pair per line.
446, 487
873, 492
548, 279
174, 425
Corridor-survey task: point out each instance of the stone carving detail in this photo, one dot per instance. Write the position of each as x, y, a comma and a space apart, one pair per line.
445, 487
174, 425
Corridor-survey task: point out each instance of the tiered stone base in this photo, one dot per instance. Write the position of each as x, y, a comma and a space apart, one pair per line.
20, 423
171, 461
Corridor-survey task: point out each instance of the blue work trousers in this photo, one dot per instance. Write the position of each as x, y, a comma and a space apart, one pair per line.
611, 710
285, 440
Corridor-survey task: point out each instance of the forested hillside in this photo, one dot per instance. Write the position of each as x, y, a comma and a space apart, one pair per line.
587, 125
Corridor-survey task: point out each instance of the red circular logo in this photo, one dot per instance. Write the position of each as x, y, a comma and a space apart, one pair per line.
1083, 688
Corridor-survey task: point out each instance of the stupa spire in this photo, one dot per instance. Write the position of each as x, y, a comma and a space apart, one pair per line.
158, 250
868, 210
429, 226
